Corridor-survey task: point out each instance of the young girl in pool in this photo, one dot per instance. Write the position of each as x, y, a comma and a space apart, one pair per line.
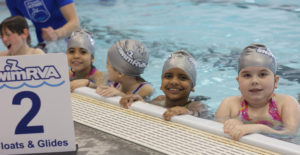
126, 61
258, 109
80, 54
178, 80
15, 36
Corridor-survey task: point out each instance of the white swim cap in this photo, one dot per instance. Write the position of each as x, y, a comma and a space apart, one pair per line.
257, 55
129, 57
82, 38
183, 60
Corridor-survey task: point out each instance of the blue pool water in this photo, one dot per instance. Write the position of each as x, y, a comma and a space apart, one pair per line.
214, 31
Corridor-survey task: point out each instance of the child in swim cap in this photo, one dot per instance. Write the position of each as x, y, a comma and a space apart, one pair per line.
178, 80
80, 54
126, 61
258, 109
15, 36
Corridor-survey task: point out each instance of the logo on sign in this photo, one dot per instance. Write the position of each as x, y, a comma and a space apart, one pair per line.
12, 72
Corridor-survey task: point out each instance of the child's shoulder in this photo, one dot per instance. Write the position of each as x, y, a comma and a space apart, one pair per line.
99, 77
287, 104
146, 90
37, 51
159, 100
4, 53
232, 100
99, 73
282, 99
200, 104
228, 108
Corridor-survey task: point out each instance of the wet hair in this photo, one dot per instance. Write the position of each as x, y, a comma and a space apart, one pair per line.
15, 24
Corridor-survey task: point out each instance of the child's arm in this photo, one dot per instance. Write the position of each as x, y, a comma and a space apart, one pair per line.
79, 83
100, 80
127, 100
158, 100
223, 112
290, 114
236, 129
145, 91
85, 82
177, 110
196, 108
109, 91
193, 108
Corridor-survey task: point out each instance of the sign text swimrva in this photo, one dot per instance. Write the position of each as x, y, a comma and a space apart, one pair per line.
13, 72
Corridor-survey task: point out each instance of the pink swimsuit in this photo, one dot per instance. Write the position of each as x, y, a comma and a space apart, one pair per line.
273, 111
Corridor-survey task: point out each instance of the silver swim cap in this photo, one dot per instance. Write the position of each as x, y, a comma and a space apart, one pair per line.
183, 60
257, 55
82, 38
129, 57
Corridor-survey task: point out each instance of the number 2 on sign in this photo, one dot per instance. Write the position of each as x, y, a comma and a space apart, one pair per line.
22, 127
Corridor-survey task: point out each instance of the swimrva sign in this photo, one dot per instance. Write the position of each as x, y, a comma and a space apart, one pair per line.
13, 72
33, 88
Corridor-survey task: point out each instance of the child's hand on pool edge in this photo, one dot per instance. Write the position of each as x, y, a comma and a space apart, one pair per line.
237, 129
178, 110
127, 100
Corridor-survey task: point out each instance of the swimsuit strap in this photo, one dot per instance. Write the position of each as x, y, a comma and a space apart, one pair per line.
72, 76
116, 84
92, 71
243, 113
273, 111
187, 104
138, 88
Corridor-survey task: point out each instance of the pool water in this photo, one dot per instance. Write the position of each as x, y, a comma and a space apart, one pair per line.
213, 31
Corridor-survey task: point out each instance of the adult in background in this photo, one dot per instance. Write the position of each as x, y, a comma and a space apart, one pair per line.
53, 19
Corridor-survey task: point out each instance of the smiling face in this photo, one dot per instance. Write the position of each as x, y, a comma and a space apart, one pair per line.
257, 84
176, 85
79, 59
13, 41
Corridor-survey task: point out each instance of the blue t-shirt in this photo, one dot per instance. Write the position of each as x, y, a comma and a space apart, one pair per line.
42, 13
